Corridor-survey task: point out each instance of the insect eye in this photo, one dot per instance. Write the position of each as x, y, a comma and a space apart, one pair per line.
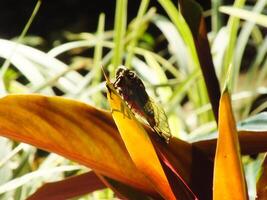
131, 74
120, 71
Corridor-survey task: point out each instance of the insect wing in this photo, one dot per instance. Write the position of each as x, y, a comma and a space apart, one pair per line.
161, 125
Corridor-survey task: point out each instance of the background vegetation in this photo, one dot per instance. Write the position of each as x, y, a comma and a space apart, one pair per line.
157, 43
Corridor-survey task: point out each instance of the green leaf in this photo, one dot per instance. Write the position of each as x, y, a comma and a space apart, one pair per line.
119, 33
245, 15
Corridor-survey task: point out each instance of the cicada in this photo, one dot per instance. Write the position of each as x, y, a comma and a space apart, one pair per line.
133, 92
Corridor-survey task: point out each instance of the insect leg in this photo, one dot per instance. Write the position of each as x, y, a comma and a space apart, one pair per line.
162, 134
122, 110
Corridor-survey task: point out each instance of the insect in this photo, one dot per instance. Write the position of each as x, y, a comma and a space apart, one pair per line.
132, 90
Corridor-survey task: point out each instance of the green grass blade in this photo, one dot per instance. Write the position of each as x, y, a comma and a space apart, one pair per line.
198, 94
216, 16
232, 27
7, 62
165, 92
255, 73
181, 90
183, 28
119, 33
97, 60
18, 182
99, 48
136, 31
176, 44
257, 18
243, 38
165, 63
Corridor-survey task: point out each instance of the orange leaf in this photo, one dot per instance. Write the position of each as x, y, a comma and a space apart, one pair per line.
138, 144
72, 129
228, 182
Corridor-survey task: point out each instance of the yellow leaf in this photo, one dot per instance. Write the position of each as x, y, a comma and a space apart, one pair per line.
228, 182
138, 144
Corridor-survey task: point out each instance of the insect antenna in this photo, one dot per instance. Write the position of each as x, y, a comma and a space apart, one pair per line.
105, 75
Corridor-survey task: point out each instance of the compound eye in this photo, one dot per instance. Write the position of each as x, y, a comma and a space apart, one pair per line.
131, 74
121, 70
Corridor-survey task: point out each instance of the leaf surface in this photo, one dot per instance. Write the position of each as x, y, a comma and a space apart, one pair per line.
251, 142
228, 181
192, 13
262, 182
69, 188
72, 129
138, 144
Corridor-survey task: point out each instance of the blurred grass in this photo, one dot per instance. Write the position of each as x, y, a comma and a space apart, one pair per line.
171, 74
